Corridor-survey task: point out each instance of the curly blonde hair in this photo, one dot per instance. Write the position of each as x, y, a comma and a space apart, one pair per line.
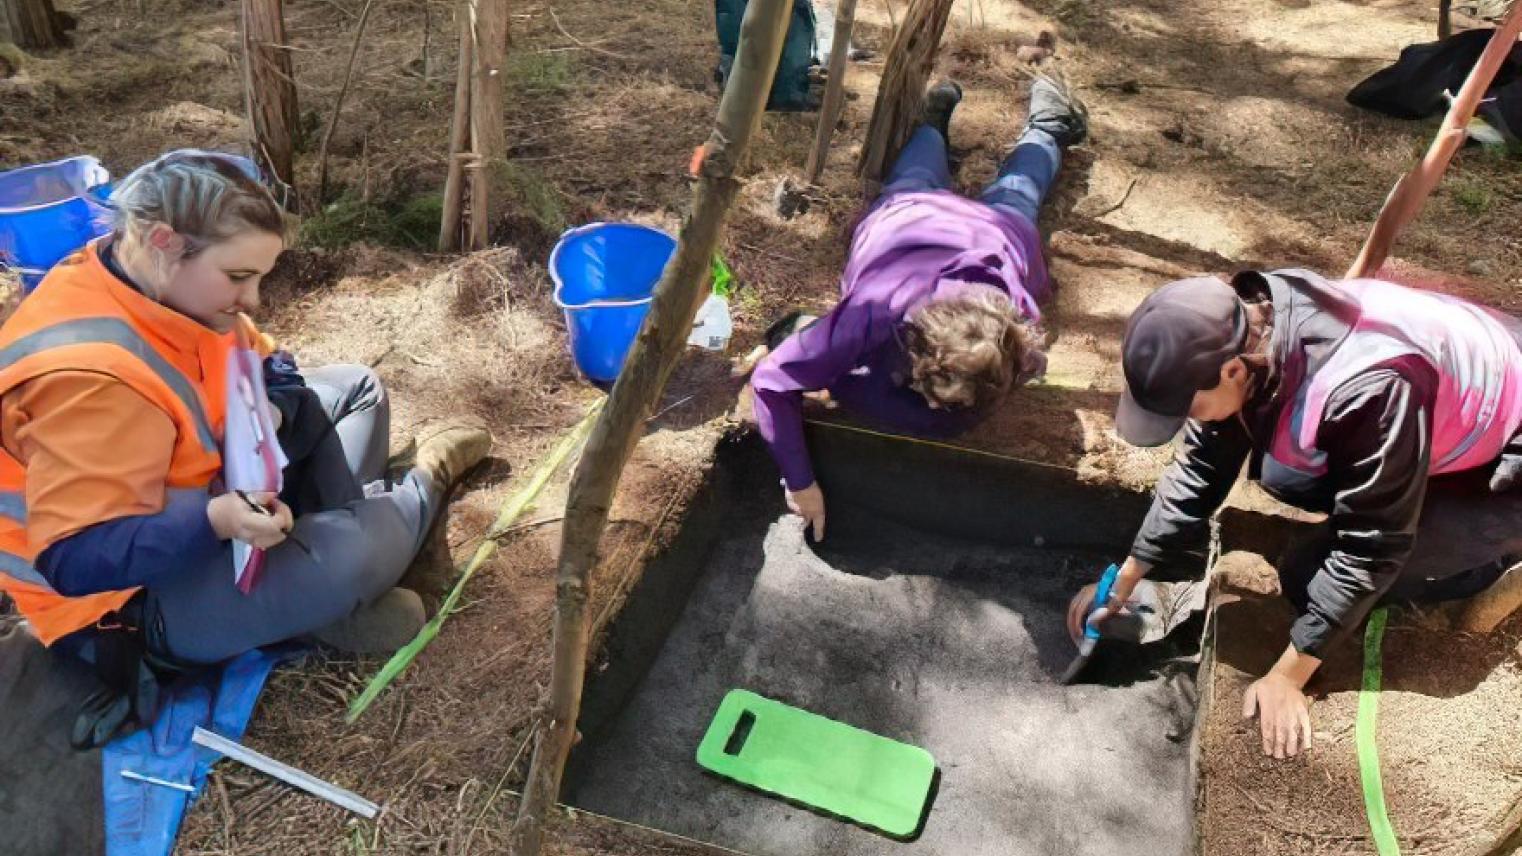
968, 351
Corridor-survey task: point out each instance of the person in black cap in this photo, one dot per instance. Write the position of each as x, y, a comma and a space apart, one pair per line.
1343, 398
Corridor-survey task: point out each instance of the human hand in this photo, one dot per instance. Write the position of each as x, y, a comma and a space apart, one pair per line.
809, 504
1132, 571
1508, 472
1284, 714
232, 519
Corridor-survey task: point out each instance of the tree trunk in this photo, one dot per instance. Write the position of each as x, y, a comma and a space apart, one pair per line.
269, 87
655, 353
834, 91
901, 94
33, 24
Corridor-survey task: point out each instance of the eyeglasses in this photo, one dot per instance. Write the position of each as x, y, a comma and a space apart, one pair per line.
245, 166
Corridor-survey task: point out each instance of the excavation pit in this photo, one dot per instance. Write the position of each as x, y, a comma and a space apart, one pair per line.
932, 613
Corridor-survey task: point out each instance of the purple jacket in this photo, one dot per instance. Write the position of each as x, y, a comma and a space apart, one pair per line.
913, 248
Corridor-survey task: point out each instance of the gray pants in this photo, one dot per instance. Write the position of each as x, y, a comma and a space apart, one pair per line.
346, 549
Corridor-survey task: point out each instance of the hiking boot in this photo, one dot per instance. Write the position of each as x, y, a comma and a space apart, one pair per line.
939, 102
448, 454
379, 627
1056, 110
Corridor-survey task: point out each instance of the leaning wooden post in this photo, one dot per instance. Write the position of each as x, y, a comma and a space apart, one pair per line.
901, 94
834, 91
1410, 193
661, 342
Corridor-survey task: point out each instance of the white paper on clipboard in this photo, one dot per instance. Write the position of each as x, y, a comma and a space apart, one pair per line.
252, 459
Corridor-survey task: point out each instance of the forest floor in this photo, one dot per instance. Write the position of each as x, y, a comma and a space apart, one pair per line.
1220, 141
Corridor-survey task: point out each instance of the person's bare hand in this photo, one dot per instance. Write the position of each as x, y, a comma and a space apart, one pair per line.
1284, 714
232, 519
1132, 571
809, 504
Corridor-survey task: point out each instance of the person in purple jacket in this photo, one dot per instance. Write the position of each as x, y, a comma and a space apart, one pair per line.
939, 302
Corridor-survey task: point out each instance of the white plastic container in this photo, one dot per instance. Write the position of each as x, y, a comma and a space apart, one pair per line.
712, 328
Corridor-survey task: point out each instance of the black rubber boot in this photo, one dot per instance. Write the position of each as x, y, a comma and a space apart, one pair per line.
1057, 111
939, 102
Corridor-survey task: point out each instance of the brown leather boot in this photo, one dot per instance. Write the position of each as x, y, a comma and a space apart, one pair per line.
448, 453
379, 627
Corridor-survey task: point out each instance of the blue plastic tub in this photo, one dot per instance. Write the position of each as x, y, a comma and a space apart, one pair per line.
604, 274
50, 210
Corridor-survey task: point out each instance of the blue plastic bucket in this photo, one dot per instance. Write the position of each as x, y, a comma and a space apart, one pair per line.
50, 210
604, 274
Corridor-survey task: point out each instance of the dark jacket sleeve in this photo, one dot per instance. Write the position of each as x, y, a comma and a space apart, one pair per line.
1375, 433
1177, 528
284, 385
133, 551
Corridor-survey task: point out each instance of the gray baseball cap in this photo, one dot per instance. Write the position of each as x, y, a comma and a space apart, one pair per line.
1175, 345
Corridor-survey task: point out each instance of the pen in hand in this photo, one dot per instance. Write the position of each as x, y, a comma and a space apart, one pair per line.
253, 505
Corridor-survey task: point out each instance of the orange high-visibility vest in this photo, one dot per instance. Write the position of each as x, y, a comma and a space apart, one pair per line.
81, 318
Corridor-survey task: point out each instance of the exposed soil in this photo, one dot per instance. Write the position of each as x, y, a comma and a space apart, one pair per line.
952, 644
1220, 139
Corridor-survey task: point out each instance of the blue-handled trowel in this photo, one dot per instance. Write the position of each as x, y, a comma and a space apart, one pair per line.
1089, 639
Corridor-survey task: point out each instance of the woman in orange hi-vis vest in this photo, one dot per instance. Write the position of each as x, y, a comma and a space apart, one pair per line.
115, 530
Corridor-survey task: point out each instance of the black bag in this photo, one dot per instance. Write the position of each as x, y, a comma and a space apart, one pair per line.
1413, 87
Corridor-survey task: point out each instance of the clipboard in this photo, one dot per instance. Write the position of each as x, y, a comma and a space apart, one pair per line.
252, 459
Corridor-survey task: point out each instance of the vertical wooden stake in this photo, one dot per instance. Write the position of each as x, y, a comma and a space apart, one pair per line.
31, 24
488, 131
655, 353
1410, 193
459, 141
834, 92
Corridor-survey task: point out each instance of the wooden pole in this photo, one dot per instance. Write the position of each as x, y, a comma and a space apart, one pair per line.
901, 95
488, 131
834, 91
269, 87
1410, 193
1444, 18
338, 105
655, 353
459, 141
32, 24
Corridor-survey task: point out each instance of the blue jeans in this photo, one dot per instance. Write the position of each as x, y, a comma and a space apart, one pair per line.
1024, 177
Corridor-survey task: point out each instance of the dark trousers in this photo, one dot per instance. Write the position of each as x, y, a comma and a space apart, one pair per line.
1466, 539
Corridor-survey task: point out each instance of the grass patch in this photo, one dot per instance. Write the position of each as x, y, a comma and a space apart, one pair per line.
538, 72
12, 59
529, 192
411, 223
1473, 196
